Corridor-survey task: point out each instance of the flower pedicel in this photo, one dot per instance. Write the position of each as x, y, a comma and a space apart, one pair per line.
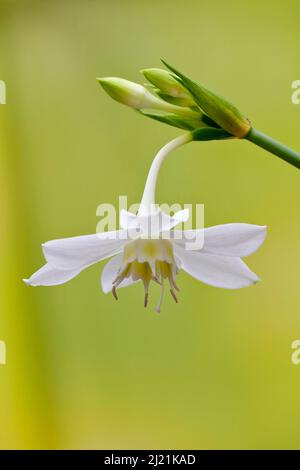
146, 248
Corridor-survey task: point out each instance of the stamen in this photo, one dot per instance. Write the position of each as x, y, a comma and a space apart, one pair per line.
161, 297
174, 295
122, 274
114, 292
148, 260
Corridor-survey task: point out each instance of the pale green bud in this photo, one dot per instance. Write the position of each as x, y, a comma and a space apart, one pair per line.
138, 97
129, 93
168, 87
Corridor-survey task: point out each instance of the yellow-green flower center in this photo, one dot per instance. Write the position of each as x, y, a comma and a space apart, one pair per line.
148, 260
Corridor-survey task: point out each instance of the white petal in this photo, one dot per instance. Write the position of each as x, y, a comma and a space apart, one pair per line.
162, 222
218, 271
128, 219
80, 252
50, 276
153, 224
227, 240
110, 272
181, 216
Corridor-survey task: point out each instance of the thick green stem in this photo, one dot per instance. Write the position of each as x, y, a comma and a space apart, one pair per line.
275, 147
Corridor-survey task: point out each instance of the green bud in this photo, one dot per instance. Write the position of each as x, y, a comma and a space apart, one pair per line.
128, 93
217, 108
138, 97
178, 101
182, 122
169, 87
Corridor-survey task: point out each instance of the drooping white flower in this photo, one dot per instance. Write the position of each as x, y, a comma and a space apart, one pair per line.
146, 248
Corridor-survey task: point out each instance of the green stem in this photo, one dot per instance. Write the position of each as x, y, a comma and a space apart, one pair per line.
275, 147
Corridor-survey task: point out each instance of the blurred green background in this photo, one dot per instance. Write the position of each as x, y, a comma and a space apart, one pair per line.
84, 371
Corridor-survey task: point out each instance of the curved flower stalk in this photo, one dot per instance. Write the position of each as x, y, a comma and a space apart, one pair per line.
146, 248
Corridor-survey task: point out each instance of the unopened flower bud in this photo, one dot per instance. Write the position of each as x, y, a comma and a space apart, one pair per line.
169, 86
224, 113
129, 93
138, 97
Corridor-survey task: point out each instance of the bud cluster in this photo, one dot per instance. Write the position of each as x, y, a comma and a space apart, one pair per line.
174, 99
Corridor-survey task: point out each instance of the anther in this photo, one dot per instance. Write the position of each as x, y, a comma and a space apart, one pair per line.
114, 292
174, 296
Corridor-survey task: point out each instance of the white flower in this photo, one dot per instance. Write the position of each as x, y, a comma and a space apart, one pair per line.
147, 249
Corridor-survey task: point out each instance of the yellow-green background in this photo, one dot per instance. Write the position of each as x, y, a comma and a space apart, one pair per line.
84, 371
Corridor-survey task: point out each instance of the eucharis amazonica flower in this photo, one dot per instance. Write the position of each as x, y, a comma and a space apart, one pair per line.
148, 248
